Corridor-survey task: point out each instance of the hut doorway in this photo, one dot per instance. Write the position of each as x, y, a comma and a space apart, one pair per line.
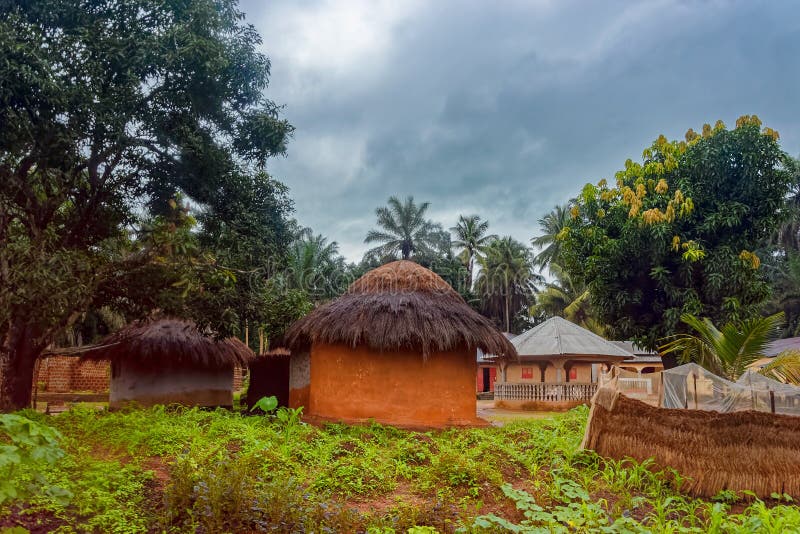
487, 377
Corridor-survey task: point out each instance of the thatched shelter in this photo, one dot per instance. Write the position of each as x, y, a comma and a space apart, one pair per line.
743, 450
398, 347
170, 361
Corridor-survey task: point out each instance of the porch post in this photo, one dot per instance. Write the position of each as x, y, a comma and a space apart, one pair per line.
559, 365
503, 368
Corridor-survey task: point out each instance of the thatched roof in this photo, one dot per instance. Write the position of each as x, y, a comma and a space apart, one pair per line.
170, 343
400, 305
747, 450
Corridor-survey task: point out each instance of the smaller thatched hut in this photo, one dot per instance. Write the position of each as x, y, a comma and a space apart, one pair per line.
170, 361
398, 347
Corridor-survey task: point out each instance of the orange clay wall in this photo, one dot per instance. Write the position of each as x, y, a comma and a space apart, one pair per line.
395, 387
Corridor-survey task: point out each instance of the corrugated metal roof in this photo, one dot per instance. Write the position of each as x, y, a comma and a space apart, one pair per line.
559, 336
779, 345
489, 358
639, 355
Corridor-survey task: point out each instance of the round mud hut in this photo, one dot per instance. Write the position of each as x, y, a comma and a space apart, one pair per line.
398, 347
170, 361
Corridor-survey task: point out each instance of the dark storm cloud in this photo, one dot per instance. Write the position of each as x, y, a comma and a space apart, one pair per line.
505, 109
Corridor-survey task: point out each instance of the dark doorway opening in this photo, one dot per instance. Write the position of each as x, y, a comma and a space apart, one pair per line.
486, 379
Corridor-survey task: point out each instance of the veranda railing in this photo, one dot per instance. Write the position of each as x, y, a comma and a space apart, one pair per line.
544, 391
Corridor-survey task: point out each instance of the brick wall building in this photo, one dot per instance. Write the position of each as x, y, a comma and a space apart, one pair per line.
64, 374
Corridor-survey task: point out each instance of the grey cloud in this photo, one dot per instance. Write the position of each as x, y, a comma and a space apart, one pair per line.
506, 109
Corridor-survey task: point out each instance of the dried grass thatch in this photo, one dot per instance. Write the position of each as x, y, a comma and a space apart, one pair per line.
739, 451
170, 343
400, 305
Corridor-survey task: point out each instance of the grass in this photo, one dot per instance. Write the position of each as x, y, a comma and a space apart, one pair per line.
189, 470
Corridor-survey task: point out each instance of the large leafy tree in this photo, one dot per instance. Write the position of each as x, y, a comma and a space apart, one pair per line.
471, 233
677, 232
403, 229
107, 110
505, 283
726, 352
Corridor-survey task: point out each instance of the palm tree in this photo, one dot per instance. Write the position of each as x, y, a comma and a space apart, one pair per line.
471, 235
727, 352
403, 229
506, 281
551, 226
568, 299
313, 264
785, 367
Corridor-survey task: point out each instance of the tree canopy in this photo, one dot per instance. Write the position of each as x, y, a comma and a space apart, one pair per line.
678, 232
404, 229
505, 282
108, 111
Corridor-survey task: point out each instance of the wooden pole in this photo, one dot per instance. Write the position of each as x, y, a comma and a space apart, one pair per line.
686, 396
772, 401
36, 378
695, 390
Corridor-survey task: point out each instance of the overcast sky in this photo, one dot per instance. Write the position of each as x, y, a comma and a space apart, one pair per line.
506, 108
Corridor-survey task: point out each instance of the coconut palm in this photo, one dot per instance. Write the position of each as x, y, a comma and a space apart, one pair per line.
403, 229
785, 367
551, 226
470, 233
568, 299
726, 352
505, 282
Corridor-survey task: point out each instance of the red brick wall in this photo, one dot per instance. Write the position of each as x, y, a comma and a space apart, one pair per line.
63, 374
238, 377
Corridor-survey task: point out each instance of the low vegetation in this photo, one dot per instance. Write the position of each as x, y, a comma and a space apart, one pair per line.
189, 470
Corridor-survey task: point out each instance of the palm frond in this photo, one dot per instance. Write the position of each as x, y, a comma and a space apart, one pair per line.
785, 367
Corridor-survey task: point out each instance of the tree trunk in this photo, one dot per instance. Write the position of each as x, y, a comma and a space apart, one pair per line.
470, 267
18, 357
508, 318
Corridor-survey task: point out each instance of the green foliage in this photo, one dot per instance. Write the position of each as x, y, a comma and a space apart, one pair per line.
505, 283
404, 230
190, 470
551, 226
316, 267
29, 447
265, 404
107, 107
677, 233
565, 298
726, 352
471, 235
785, 367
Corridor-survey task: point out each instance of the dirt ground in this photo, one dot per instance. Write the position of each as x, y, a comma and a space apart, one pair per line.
500, 416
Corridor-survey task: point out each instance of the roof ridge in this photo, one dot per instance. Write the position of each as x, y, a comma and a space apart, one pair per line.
561, 327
